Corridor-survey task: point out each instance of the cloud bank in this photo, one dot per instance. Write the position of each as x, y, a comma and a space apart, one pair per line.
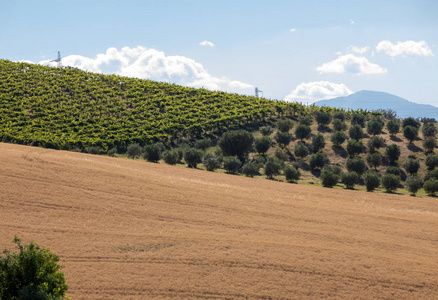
351, 63
317, 90
411, 48
145, 63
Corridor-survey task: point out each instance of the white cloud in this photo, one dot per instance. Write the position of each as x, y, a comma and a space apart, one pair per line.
292, 30
317, 90
206, 43
352, 22
351, 63
404, 48
359, 50
141, 62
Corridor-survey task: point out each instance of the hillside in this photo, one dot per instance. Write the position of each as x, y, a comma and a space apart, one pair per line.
68, 108
134, 230
371, 100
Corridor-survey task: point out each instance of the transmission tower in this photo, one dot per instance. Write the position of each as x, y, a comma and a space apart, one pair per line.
58, 60
257, 92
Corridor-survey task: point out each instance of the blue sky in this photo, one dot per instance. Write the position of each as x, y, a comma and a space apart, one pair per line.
294, 50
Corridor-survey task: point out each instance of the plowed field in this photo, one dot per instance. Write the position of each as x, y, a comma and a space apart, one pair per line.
134, 230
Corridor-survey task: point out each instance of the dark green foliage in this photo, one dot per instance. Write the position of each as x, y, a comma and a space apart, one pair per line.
431, 186
31, 273
266, 130
413, 184
412, 166
390, 182
375, 126
292, 174
394, 170
112, 152
431, 161
393, 153
170, 157
281, 154
372, 180
328, 177
339, 115
193, 157
429, 143
317, 160
374, 160
152, 153
301, 150
180, 152
318, 142
376, 142
411, 122
323, 118
283, 138
262, 144
306, 120
355, 132
302, 132
212, 162
232, 164
339, 125
431, 174
429, 130
273, 167
203, 144
410, 133
337, 170
393, 126
358, 119
251, 168
285, 125
236, 143
93, 150
338, 138
350, 179
356, 164
354, 147
389, 113
134, 151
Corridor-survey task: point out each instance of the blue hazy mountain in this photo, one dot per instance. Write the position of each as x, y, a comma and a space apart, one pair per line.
371, 100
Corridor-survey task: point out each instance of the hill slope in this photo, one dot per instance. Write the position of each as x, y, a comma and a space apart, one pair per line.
133, 230
371, 100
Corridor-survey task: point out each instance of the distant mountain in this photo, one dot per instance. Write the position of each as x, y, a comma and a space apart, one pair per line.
371, 100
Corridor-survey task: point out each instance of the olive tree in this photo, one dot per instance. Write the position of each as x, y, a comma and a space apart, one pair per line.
236, 143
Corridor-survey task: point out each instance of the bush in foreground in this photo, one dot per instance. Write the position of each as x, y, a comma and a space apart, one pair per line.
31, 273
134, 151
152, 153
329, 178
372, 180
170, 157
413, 184
193, 157
273, 167
251, 168
232, 164
431, 186
292, 174
390, 182
350, 179
212, 162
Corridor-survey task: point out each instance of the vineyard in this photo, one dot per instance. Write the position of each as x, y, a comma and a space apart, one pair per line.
67, 108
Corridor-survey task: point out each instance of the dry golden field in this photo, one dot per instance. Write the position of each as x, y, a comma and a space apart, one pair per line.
134, 230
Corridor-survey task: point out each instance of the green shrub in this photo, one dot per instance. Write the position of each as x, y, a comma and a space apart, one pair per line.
374, 160
236, 143
413, 184
112, 152
328, 177
339, 125
431, 186
193, 157
317, 160
358, 119
412, 166
393, 153
292, 174
285, 125
251, 168
431, 161
302, 132
323, 118
338, 138
411, 122
375, 126
431, 174
31, 273
134, 151
318, 142
283, 138
410, 133
211, 161
354, 147
152, 153
306, 120
339, 115
266, 130
180, 152
355, 132
429, 144
390, 182
350, 179
272, 167
393, 126
356, 164
232, 164
262, 144
93, 150
376, 142
170, 157
372, 180
394, 170
281, 155
203, 144
429, 130
301, 150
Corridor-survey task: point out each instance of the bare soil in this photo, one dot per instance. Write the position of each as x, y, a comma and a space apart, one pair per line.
134, 230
